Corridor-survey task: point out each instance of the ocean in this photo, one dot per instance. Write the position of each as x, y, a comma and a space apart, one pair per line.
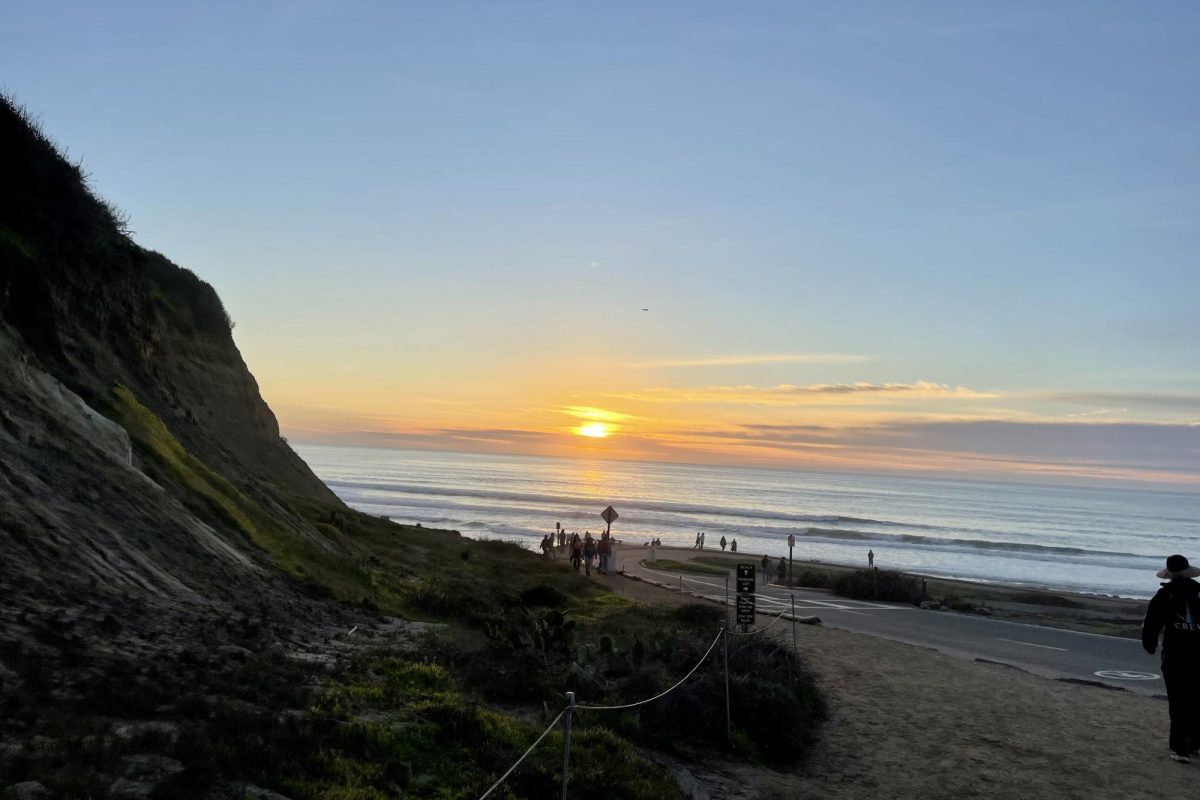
1095, 540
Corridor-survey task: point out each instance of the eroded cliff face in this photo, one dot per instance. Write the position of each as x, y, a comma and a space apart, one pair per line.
138, 461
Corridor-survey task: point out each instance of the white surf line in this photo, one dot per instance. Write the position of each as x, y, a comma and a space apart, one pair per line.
1031, 644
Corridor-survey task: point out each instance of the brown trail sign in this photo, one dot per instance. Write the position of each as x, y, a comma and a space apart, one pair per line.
608, 515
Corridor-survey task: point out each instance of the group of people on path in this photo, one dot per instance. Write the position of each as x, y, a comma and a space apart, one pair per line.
582, 550
701, 536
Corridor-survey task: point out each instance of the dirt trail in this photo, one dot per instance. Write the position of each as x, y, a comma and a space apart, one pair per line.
908, 722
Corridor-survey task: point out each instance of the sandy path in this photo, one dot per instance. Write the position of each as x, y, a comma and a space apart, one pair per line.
910, 722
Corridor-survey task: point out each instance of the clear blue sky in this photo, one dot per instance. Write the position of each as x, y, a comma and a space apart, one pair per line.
425, 199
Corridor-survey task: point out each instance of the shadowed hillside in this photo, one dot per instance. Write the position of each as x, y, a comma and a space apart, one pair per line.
138, 456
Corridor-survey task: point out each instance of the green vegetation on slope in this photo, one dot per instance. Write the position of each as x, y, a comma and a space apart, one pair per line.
308, 560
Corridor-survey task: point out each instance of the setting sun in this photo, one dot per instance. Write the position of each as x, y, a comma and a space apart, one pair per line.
596, 430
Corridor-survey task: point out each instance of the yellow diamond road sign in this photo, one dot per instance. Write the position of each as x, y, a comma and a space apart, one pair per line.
609, 514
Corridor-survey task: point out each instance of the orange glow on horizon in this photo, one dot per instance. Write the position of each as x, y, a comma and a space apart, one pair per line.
593, 430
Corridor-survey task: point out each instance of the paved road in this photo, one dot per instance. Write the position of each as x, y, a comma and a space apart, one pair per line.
1050, 652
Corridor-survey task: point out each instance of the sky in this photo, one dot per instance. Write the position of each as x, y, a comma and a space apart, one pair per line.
947, 238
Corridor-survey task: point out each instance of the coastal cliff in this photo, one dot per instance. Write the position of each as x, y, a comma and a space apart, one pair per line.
137, 457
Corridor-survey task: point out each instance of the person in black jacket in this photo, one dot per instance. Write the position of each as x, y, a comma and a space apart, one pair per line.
1175, 612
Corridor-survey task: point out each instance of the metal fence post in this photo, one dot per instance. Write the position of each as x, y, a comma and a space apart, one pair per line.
728, 722
795, 647
726, 595
681, 584
567, 740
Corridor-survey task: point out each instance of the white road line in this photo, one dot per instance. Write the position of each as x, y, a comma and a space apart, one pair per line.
844, 605
1031, 644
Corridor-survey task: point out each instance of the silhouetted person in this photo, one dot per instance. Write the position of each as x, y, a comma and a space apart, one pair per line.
722, 544
1175, 611
576, 552
766, 573
733, 546
589, 552
870, 559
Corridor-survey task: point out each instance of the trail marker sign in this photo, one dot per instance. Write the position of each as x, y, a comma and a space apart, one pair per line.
745, 609
745, 594
609, 514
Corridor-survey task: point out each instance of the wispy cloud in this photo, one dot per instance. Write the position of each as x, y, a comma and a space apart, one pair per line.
594, 414
788, 394
751, 360
1099, 412
1158, 400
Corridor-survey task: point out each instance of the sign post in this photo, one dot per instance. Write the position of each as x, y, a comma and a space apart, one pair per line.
608, 515
745, 594
791, 544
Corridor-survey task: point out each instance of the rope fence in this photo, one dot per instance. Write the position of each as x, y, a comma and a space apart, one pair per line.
764, 628
517, 763
668, 691
566, 714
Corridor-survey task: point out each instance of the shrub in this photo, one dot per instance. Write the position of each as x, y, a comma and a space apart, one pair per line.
813, 578
544, 596
776, 708
879, 584
956, 602
700, 615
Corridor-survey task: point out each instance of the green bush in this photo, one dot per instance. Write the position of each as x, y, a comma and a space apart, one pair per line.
813, 578
879, 584
776, 708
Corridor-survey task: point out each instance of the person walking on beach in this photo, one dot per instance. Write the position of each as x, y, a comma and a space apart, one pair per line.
766, 573
696, 546
1175, 611
870, 559
701, 540
733, 546
722, 544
